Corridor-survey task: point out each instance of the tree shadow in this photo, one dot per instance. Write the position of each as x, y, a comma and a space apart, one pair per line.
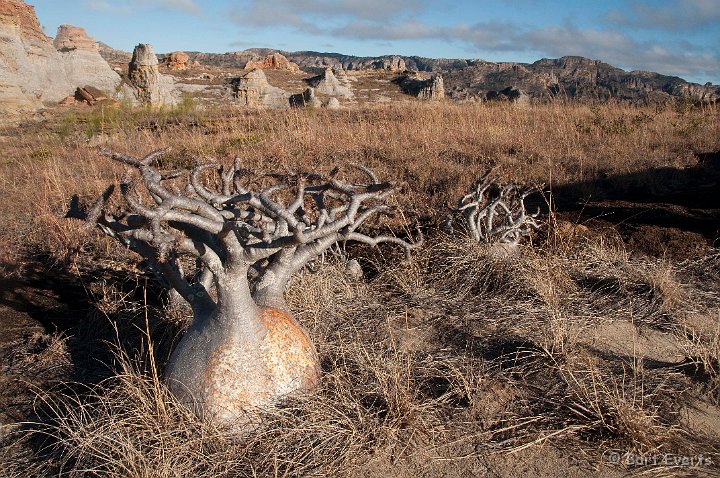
68, 308
500, 351
70, 304
692, 368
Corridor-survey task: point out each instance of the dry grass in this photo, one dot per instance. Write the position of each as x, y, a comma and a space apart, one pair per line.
374, 399
408, 373
455, 356
131, 426
435, 150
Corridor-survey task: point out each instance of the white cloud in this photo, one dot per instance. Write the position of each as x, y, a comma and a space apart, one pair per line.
672, 15
106, 6
398, 21
184, 5
486, 35
619, 49
270, 12
129, 6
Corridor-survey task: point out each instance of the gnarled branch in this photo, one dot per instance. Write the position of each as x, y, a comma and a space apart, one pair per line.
230, 219
495, 212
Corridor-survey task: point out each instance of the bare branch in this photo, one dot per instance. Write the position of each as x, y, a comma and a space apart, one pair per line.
495, 212
230, 220
375, 241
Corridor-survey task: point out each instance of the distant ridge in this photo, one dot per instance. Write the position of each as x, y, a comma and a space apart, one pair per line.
569, 77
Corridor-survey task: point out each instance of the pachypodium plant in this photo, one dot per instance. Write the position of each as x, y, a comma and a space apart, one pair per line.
247, 234
495, 214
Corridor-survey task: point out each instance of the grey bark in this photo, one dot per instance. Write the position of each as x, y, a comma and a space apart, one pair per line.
242, 350
495, 213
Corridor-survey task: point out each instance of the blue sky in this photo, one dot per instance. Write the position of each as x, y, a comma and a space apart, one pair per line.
676, 37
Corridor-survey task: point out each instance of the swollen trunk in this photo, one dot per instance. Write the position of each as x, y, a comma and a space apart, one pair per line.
240, 357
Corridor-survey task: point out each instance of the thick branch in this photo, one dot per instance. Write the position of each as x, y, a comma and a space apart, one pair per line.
495, 212
287, 222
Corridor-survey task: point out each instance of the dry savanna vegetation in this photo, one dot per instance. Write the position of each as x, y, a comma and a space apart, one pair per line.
601, 336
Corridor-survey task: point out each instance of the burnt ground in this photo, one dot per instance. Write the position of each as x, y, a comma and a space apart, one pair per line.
29, 310
40, 313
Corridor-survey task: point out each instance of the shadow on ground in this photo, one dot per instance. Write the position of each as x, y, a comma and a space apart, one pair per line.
658, 212
55, 300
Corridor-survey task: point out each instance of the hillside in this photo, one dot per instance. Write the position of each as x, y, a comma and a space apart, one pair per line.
569, 77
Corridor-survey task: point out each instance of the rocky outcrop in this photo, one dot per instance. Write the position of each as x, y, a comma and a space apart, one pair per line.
83, 64
274, 61
87, 95
13, 99
177, 61
421, 86
328, 84
397, 63
113, 56
151, 87
23, 18
394, 64
332, 103
253, 90
31, 70
571, 77
579, 79
90, 95
36, 70
306, 98
70, 38
434, 89
312, 60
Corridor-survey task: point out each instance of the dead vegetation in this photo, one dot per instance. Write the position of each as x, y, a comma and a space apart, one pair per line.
457, 362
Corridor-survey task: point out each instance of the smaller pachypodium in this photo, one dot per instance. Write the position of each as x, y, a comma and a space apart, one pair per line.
495, 213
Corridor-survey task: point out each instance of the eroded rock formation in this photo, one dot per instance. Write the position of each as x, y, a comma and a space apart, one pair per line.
151, 87
274, 61
113, 56
253, 90
73, 38
419, 85
13, 99
511, 94
332, 103
393, 63
34, 69
90, 95
328, 84
177, 61
434, 89
306, 98
31, 70
471, 79
83, 64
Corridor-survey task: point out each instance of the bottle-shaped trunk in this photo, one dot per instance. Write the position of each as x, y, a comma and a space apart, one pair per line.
240, 357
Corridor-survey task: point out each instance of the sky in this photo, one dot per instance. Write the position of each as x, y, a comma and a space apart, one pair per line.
673, 37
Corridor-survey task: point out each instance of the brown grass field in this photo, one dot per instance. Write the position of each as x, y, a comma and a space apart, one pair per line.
599, 342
